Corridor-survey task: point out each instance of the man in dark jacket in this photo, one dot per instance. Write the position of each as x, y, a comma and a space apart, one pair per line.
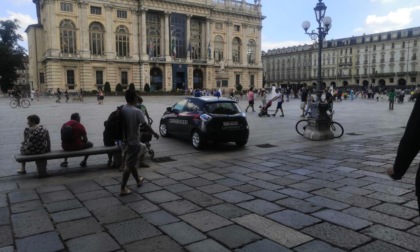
408, 149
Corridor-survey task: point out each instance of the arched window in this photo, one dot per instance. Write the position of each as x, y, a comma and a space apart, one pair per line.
195, 39
96, 38
153, 34
122, 41
218, 49
252, 51
236, 50
67, 36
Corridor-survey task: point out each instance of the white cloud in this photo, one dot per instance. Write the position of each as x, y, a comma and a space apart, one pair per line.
394, 20
269, 45
24, 22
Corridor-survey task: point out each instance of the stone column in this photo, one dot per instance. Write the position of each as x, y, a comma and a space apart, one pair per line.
53, 41
167, 36
244, 47
188, 37
228, 54
258, 53
209, 40
84, 31
110, 37
136, 44
143, 43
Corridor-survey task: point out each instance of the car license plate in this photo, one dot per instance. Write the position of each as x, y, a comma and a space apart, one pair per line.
234, 123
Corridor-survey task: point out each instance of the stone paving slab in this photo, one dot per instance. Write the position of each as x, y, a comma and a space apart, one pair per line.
272, 230
263, 245
205, 220
336, 235
6, 237
183, 233
293, 219
259, 206
155, 244
206, 246
73, 229
132, 230
99, 242
379, 246
69, 215
233, 236
31, 223
317, 246
399, 238
42, 242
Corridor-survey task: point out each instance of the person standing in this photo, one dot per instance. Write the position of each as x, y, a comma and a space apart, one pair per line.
391, 99
263, 97
279, 98
32, 94
36, 140
407, 150
58, 95
329, 100
66, 94
131, 144
303, 101
100, 96
78, 139
250, 96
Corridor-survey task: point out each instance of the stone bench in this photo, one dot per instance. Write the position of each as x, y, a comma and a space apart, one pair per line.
41, 159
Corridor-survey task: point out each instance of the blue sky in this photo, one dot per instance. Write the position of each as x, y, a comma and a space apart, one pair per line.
282, 26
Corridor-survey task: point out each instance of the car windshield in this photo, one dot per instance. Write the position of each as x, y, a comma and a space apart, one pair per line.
228, 108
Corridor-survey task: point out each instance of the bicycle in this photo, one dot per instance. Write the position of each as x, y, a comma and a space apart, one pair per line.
234, 98
335, 127
24, 103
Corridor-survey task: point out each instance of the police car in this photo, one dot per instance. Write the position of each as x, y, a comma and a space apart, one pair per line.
205, 119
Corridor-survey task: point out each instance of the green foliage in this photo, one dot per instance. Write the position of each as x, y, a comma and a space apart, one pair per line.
107, 87
119, 88
147, 87
238, 88
131, 87
11, 54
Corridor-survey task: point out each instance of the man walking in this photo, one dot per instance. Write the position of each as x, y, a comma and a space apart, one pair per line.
279, 98
303, 100
250, 99
132, 118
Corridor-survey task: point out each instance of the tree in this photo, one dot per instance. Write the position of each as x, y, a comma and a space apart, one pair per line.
147, 87
107, 87
11, 54
131, 87
239, 88
118, 88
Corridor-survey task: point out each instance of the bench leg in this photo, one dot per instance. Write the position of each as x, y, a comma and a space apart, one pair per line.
41, 167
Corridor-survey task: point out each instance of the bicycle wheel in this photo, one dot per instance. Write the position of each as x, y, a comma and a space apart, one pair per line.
236, 99
13, 103
25, 103
301, 126
337, 129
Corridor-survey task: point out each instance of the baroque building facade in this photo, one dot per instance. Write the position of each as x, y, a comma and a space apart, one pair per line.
166, 44
375, 61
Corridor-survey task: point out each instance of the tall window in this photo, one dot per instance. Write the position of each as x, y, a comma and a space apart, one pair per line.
122, 41
95, 10
218, 49
70, 77
124, 78
96, 39
121, 14
153, 34
67, 7
41, 78
252, 50
195, 39
236, 50
178, 35
99, 78
67, 36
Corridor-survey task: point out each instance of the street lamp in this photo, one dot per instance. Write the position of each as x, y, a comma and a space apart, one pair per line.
324, 25
319, 122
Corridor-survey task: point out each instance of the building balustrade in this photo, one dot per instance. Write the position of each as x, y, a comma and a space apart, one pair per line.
200, 61
160, 59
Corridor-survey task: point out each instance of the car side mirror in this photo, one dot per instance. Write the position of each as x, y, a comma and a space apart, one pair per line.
169, 109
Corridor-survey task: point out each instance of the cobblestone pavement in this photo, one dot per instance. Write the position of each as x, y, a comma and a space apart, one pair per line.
280, 193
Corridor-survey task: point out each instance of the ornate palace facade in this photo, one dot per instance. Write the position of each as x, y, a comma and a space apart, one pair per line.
167, 44
374, 60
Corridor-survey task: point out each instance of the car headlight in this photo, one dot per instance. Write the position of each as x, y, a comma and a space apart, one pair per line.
205, 117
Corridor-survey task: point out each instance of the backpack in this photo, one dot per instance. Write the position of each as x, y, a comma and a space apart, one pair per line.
67, 133
114, 127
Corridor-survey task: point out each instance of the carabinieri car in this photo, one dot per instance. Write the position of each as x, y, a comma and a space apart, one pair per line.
205, 119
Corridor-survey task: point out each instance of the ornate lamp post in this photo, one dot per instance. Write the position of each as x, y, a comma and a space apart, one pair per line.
324, 25
319, 126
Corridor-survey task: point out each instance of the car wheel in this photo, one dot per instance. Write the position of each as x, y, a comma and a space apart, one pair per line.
242, 142
197, 140
163, 130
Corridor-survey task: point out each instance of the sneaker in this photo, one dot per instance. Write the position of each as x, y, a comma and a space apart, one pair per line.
64, 164
21, 171
125, 192
282, 116
141, 179
83, 164
109, 162
273, 114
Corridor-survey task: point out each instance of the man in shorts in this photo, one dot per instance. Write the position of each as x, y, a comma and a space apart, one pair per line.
132, 118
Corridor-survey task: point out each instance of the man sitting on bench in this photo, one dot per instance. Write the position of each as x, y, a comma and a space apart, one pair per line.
74, 137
